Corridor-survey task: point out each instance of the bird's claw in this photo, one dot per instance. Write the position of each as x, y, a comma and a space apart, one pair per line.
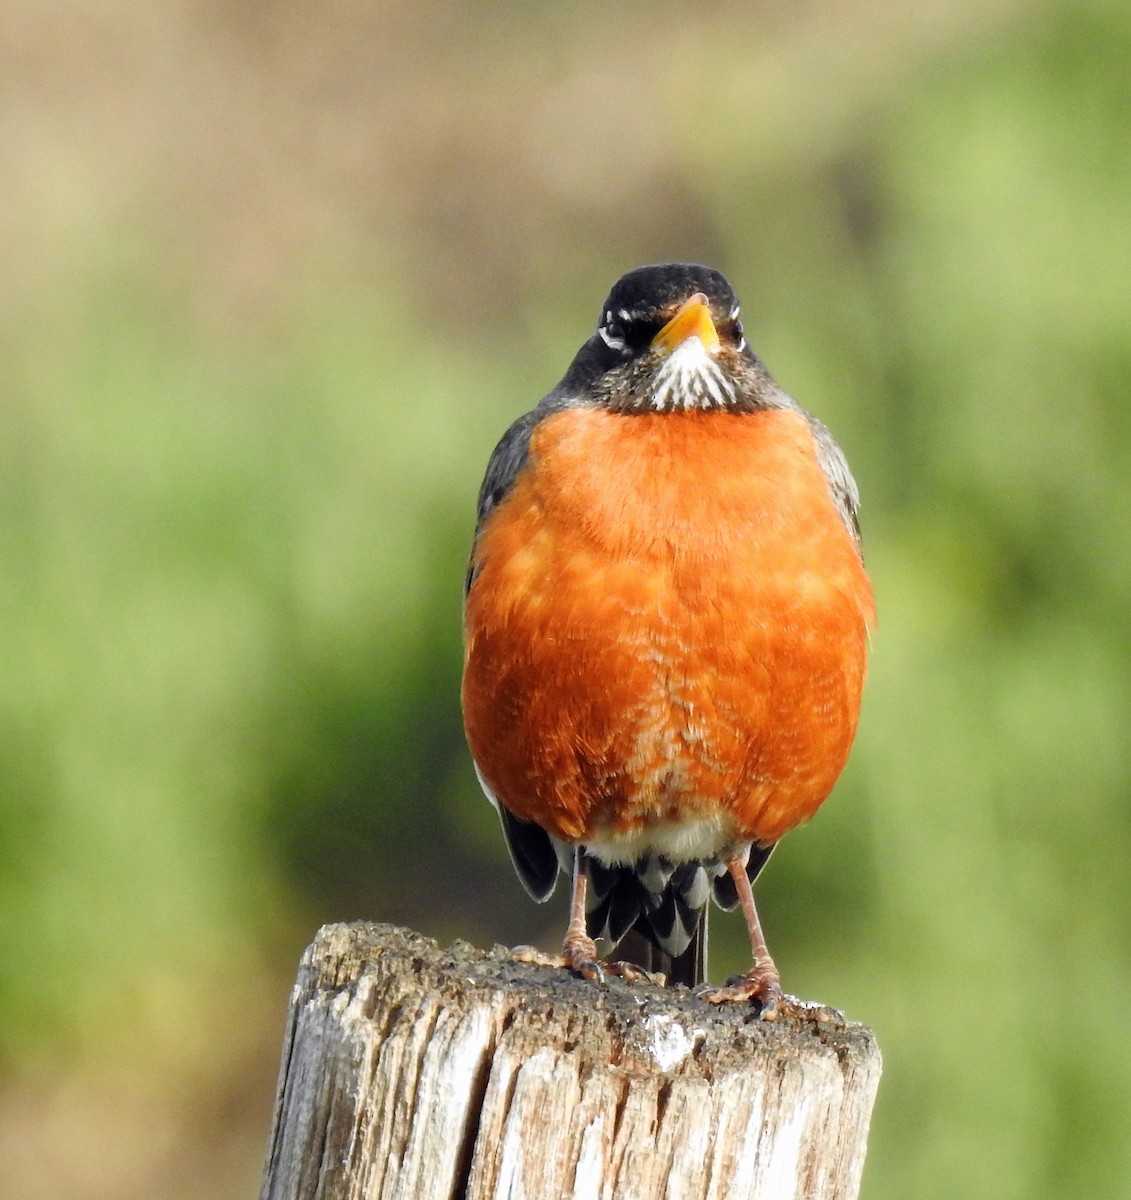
534, 957
579, 954
761, 984
631, 973
765, 989
811, 1010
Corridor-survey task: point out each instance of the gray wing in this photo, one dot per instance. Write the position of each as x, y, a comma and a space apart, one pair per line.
845, 494
533, 855
831, 460
503, 468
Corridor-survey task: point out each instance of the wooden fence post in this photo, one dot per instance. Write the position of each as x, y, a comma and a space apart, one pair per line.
414, 1072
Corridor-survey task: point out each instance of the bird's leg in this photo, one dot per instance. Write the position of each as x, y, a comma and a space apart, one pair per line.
579, 950
762, 982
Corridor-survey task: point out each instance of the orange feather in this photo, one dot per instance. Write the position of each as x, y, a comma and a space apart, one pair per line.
668, 625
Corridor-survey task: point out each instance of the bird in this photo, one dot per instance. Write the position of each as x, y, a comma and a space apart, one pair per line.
666, 629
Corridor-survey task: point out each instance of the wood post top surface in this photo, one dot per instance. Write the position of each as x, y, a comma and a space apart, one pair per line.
666, 1027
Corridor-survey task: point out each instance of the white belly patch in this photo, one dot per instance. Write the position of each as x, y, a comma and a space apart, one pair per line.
690, 840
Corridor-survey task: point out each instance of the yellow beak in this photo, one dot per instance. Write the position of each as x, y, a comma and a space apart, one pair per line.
692, 319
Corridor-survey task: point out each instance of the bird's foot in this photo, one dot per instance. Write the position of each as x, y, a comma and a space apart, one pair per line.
810, 1010
761, 984
535, 957
579, 954
631, 973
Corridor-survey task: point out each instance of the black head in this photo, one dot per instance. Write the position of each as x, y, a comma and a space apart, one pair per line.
650, 290
670, 338
643, 301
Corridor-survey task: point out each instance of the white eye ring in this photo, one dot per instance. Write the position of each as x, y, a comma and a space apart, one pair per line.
612, 334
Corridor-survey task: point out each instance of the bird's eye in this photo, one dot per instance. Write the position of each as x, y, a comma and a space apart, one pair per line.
612, 334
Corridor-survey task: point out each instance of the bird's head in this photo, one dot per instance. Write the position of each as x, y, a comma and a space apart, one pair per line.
670, 339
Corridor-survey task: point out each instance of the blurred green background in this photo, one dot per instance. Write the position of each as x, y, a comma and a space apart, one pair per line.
276, 277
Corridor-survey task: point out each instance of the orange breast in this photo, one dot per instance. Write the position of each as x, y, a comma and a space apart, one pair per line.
668, 625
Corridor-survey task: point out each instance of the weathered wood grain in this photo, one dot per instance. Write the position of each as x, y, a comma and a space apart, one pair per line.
410, 1071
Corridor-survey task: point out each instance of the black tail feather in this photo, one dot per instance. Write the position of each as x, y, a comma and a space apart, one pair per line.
688, 969
656, 913
726, 894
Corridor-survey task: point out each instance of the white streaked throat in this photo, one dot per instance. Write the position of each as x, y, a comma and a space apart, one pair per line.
690, 377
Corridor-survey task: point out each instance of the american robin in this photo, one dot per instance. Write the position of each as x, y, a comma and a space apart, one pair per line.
666, 623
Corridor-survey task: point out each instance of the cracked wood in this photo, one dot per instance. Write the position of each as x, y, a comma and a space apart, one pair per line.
411, 1071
